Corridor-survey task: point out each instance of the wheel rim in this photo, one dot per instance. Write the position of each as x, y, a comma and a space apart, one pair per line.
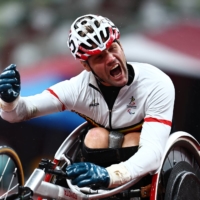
11, 172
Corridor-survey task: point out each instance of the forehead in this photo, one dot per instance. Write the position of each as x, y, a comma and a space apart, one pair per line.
114, 43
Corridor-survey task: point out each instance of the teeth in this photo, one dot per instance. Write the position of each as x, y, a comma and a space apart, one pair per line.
115, 67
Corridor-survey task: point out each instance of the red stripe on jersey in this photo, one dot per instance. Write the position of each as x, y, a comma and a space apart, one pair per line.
54, 94
151, 119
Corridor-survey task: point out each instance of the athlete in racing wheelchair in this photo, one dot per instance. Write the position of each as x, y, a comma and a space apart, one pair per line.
177, 178
128, 107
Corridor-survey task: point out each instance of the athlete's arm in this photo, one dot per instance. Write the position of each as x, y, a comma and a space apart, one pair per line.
15, 108
31, 107
155, 132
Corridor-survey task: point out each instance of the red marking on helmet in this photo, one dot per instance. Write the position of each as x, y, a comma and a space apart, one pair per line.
111, 38
88, 51
117, 34
83, 57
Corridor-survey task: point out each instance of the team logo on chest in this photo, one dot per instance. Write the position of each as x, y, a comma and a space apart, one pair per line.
131, 106
93, 103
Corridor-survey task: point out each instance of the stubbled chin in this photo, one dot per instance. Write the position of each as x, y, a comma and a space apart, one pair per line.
120, 83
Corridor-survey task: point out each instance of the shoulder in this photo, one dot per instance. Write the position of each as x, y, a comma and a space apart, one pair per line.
152, 80
79, 81
149, 73
146, 68
74, 84
83, 76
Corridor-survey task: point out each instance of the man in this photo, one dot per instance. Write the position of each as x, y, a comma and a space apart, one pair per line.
130, 106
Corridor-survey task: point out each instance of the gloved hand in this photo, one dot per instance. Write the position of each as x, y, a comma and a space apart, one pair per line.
9, 84
85, 174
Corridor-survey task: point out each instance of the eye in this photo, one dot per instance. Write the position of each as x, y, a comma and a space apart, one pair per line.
113, 47
98, 57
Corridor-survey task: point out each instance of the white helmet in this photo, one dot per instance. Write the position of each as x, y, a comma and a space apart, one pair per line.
90, 35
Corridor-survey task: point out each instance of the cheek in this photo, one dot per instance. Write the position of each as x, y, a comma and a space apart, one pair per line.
122, 56
98, 68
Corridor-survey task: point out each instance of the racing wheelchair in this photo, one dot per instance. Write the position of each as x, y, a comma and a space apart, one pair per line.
177, 178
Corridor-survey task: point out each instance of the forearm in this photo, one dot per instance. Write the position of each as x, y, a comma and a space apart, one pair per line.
146, 160
14, 111
151, 148
30, 107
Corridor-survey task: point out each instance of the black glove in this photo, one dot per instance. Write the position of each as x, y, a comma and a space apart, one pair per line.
9, 84
85, 174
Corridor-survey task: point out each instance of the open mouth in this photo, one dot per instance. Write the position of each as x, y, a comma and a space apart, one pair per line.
116, 71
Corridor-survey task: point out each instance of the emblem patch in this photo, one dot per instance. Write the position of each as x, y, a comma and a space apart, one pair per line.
131, 106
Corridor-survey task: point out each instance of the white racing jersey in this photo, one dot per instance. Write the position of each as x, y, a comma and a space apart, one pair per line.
145, 105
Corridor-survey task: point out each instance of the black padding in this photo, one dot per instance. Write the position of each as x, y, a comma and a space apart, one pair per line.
183, 184
106, 157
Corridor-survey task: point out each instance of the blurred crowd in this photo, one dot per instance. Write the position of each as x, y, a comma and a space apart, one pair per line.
34, 30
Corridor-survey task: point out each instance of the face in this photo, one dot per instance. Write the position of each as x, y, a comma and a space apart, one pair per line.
109, 66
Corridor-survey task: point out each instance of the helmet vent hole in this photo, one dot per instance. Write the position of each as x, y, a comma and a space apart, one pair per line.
86, 46
89, 29
102, 35
96, 38
84, 22
81, 52
97, 23
81, 33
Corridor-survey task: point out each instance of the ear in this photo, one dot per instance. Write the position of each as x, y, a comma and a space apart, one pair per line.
85, 65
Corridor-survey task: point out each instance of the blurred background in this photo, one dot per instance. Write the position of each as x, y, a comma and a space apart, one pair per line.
33, 35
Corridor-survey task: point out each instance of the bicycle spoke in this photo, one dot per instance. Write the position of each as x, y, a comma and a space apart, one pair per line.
9, 191
11, 181
4, 169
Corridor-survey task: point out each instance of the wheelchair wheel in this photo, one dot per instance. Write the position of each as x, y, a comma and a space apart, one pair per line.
180, 170
11, 172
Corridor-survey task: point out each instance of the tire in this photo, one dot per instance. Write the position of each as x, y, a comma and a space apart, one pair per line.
183, 183
11, 171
